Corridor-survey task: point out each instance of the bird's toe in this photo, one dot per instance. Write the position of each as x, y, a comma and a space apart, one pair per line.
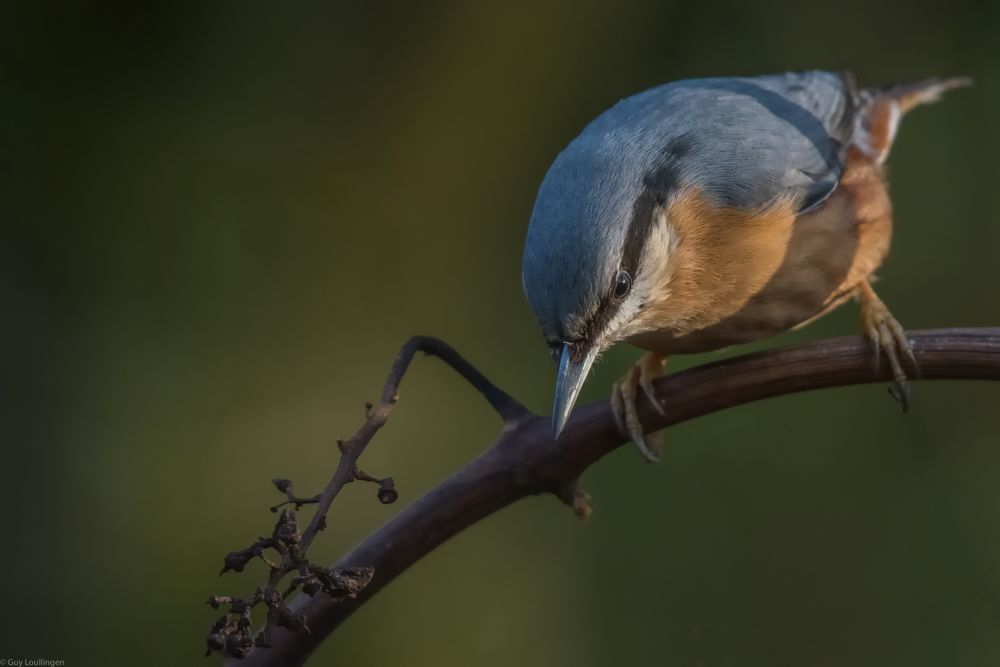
889, 337
624, 396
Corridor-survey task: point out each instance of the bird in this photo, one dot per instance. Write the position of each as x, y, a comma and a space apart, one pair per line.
706, 213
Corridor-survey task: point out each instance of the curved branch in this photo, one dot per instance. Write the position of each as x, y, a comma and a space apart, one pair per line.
347, 470
231, 633
524, 460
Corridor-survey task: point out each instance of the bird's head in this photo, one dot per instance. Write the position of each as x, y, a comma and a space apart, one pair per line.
596, 245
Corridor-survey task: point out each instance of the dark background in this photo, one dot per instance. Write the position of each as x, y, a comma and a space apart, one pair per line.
220, 220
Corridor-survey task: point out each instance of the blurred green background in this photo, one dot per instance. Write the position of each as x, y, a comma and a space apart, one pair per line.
220, 220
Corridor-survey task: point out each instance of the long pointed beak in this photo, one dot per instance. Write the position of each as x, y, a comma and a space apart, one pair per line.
569, 381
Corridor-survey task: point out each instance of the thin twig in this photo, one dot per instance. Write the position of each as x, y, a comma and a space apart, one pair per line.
287, 488
352, 448
524, 460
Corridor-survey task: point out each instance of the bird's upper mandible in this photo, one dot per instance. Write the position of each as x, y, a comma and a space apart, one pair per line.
740, 142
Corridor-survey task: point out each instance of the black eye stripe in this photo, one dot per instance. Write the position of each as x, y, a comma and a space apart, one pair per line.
658, 185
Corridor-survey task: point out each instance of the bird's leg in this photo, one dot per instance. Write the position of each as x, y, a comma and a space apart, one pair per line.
887, 336
624, 394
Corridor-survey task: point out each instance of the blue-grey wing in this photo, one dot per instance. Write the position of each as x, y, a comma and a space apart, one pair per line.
744, 142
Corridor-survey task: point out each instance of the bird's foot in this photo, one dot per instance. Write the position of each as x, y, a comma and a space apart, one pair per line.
624, 395
889, 337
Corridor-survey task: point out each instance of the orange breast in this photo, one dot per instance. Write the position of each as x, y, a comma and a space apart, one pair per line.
737, 276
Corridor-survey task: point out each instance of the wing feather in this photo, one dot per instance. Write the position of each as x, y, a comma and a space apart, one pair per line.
745, 142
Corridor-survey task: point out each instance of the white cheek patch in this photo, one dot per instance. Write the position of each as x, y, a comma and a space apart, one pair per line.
651, 275
661, 245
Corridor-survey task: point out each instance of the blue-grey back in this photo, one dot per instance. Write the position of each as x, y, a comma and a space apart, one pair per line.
744, 141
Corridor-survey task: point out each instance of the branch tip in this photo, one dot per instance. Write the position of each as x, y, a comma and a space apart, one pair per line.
578, 499
387, 493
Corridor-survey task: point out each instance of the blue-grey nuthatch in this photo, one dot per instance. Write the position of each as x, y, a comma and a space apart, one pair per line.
709, 212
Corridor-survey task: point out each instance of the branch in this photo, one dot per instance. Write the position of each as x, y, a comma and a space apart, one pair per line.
232, 632
351, 449
524, 460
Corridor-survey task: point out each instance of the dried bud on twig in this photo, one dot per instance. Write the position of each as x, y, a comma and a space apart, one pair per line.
387, 493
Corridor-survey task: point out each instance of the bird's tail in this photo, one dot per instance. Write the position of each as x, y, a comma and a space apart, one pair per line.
909, 95
882, 108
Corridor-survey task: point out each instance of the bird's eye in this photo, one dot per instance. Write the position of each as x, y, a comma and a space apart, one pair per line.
623, 283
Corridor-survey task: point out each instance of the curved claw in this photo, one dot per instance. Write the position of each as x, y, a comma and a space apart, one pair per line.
618, 408
888, 336
651, 367
624, 395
